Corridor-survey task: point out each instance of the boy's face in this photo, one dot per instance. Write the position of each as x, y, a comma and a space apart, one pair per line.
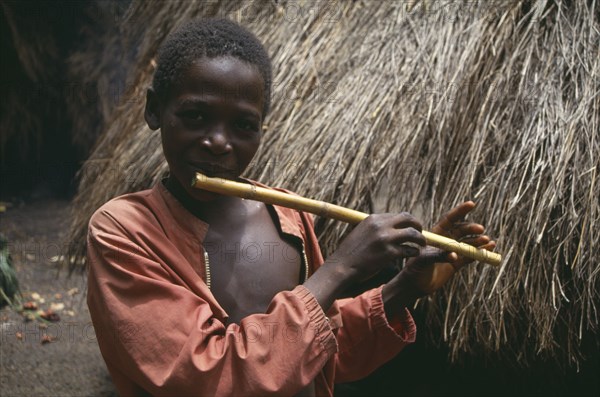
211, 120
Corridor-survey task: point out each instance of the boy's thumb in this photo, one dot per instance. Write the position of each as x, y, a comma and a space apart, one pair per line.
431, 255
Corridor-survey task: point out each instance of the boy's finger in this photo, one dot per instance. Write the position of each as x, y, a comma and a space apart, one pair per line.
489, 246
467, 229
476, 241
456, 214
410, 235
431, 255
452, 257
401, 222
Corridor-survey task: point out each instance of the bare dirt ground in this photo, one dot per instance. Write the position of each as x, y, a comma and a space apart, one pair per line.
40, 358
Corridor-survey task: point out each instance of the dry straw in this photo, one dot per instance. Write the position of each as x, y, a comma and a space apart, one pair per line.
30, 59
388, 106
56, 59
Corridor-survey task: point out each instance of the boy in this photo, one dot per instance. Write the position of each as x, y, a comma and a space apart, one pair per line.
192, 293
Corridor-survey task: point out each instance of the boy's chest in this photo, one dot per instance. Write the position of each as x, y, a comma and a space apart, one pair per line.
250, 262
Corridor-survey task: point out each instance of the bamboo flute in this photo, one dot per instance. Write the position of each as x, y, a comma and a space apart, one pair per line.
324, 209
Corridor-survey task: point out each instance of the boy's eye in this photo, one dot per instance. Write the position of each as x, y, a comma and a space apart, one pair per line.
194, 115
247, 125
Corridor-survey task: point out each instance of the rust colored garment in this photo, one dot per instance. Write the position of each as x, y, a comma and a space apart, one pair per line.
161, 331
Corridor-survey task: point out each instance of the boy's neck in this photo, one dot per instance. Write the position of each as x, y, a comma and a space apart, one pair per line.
200, 209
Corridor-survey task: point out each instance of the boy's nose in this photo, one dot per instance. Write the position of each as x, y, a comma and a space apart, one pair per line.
216, 142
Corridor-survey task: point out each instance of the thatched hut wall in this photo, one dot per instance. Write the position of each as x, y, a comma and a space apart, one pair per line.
28, 122
64, 67
98, 66
387, 106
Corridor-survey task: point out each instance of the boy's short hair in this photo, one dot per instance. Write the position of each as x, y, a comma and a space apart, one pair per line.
210, 38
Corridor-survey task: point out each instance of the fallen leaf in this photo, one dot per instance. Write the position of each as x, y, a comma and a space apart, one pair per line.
49, 315
57, 306
30, 257
30, 305
36, 296
19, 335
54, 259
70, 313
46, 339
73, 291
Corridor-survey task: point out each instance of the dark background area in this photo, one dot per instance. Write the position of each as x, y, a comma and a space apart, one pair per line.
38, 165
38, 156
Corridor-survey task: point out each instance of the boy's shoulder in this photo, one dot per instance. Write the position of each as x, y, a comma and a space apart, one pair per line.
131, 207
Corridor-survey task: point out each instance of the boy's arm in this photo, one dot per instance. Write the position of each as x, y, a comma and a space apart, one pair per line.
166, 339
366, 338
421, 276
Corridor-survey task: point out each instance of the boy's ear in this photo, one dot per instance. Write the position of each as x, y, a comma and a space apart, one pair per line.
152, 111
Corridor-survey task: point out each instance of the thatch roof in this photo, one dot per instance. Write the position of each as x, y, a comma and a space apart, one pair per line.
29, 60
61, 72
384, 106
97, 65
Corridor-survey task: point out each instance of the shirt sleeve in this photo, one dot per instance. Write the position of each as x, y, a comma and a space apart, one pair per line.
166, 339
365, 338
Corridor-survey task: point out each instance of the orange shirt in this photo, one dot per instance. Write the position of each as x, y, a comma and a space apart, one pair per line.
161, 331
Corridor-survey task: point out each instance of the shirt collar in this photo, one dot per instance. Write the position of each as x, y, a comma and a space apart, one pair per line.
190, 223
184, 219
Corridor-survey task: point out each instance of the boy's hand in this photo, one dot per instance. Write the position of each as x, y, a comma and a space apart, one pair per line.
375, 243
429, 271
453, 225
378, 241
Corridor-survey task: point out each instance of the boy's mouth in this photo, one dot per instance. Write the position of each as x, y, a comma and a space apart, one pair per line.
212, 170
